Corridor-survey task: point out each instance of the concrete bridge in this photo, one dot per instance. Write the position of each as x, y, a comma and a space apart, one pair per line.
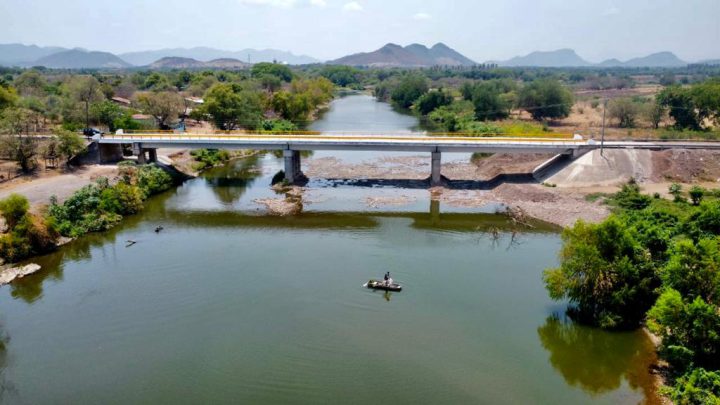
145, 145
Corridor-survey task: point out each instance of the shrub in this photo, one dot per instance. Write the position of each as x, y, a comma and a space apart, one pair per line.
696, 195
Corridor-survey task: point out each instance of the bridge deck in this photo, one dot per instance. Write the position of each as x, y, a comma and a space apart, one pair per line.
354, 142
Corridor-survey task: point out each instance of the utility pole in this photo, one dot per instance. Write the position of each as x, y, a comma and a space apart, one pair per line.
602, 137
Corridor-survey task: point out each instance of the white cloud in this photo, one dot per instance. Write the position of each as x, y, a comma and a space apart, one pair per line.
318, 3
352, 6
270, 3
422, 16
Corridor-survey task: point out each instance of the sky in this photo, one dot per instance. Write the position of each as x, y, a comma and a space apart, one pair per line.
327, 29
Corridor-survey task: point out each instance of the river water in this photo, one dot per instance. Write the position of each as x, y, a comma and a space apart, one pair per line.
228, 304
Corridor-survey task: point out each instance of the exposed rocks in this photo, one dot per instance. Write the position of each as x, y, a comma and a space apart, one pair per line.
8, 275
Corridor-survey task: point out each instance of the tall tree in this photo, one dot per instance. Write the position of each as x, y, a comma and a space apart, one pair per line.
86, 90
546, 98
165, 106
232, 107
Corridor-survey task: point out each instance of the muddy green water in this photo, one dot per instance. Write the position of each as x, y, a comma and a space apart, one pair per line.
228, 305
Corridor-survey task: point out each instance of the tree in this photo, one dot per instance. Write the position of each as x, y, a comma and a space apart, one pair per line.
16, 143
275, 69
342, 76
106, 113
690, 330
706, 97
445, 119
624, 110
13, 209
69, 144
232, 107
86, 90
489, 103
30, 83
291, 106
546, 98
654, 113
428, 102
410, 88
165, 106
605, 273
696, 194
8, 97
681, 107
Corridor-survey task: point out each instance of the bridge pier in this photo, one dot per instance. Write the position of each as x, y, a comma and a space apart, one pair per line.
293, 169
435, 167
144, 155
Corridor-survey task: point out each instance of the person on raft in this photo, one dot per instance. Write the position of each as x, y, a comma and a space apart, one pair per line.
388, 280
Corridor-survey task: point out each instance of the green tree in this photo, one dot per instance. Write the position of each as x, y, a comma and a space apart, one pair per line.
69, 144
624, 110
605, 273
164, 106
690, 330
654, 113
681, 106
106, 112
706, 97
696, 194
489, 103
13, 209
8, 97
283, 72
232, 107
432, 100
410, 88
546, 98
342, 76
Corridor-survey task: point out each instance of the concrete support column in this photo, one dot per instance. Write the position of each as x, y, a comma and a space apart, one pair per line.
435, 176
142, 159
153, 155
292, 165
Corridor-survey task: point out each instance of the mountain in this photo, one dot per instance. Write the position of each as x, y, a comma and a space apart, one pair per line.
660, 59
559, 58
80, 59
414, 55
19, 54
568, 58
207, 54
710, 62
174, 62
610, 63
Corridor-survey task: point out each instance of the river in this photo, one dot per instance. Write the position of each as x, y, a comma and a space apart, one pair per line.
228, 305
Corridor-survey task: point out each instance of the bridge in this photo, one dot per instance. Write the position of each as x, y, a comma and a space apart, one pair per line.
145, 145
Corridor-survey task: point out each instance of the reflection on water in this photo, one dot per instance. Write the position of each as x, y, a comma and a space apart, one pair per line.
230, 182
599, 361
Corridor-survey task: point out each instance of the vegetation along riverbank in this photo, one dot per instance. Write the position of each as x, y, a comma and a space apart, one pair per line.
653, 262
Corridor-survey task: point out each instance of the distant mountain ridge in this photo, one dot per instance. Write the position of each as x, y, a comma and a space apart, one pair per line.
19, 54
205, 54
414, 55
568, 58
80, 59
189, 63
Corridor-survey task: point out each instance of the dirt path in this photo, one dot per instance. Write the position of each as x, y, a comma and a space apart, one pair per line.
39, 189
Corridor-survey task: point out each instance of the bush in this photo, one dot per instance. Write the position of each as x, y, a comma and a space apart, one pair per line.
27, 234
13, 209
696, 195
605, 273
207, 158
696, 387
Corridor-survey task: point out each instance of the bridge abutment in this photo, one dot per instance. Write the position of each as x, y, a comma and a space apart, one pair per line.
144, 155
435, 169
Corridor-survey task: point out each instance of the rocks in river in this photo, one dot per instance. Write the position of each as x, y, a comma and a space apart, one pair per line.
12, 273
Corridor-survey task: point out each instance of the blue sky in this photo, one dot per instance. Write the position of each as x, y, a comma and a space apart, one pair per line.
326, 29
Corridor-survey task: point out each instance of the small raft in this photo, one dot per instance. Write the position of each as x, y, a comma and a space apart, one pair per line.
380, 285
